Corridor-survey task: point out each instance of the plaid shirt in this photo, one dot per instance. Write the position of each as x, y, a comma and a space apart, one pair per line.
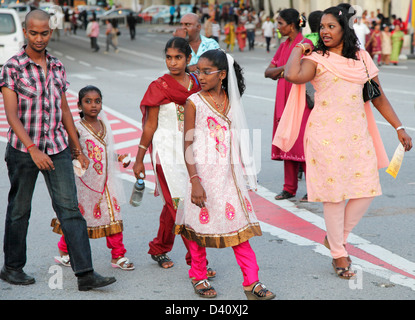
39, 101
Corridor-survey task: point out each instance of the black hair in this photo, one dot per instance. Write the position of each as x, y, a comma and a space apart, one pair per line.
314, 19
350, 40
82, 93
292, 16
220, 61
180, 44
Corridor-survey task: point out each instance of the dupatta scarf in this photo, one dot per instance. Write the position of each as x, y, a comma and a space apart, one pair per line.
347, 69
165, 90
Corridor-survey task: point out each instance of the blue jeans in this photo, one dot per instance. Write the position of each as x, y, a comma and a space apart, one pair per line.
60, 182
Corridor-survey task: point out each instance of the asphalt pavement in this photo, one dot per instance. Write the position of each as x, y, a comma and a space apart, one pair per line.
293, 262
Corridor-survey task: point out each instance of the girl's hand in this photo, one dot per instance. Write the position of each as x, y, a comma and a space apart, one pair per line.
405, 139
121, 158
83, 160
139, 170
198, 196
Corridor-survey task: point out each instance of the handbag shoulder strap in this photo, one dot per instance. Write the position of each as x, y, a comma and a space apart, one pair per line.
367, 72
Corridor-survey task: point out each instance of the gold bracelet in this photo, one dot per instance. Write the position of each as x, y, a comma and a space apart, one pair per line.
300, 44
282, 74
142, 147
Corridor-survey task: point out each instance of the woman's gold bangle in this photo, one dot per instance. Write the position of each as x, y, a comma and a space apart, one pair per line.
142, 147
302, 46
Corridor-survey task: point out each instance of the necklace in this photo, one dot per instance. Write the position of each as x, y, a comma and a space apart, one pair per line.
101, 128
219, 106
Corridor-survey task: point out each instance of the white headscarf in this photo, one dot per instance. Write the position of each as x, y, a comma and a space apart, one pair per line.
241, 142
113, 165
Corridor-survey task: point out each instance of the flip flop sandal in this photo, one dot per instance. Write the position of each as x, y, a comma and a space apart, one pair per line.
202, 292
123, 263
63, 260
259, 295
163, 258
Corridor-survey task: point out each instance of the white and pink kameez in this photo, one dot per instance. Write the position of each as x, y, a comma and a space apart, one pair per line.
228, 217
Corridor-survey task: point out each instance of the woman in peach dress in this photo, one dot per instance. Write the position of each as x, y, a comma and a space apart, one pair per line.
342, 144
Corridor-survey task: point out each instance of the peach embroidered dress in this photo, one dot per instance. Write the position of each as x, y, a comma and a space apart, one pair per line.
343, 148
98, 199
228, 218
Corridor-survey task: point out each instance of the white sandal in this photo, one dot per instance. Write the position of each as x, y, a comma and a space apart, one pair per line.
122, 263
63, 260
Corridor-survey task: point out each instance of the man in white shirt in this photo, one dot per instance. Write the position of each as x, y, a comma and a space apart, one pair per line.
361, 30
268, 31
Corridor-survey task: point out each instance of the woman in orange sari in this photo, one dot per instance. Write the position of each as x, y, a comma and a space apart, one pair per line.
342, 145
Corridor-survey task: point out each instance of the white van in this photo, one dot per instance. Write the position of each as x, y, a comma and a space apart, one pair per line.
22, 9
11, 34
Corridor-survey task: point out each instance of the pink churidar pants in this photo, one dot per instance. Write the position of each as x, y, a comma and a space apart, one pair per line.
245, 257
114, 242
340, 220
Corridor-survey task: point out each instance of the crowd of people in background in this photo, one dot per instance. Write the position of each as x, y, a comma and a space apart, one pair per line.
381, 36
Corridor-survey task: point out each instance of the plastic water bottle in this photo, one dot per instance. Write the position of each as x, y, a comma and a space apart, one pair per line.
138, 192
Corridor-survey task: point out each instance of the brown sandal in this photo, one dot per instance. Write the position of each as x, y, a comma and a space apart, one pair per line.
342, 271
327, 245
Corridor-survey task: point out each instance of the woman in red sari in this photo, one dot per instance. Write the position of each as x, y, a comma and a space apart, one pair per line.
163, 118
290, 23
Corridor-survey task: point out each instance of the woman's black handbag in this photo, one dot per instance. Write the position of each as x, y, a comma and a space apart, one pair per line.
371, 89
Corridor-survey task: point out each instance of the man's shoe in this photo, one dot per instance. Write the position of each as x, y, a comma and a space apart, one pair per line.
93, 280
16, 276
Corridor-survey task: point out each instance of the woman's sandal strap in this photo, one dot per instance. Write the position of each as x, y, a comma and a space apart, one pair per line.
261, 293
202, 292
163, 258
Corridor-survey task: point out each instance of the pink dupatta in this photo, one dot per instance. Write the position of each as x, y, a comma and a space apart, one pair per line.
347, 69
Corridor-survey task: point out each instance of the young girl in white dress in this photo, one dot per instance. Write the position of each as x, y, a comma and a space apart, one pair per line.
100, 192
217, 211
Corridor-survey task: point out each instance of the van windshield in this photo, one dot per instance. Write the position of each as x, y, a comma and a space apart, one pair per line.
7, 24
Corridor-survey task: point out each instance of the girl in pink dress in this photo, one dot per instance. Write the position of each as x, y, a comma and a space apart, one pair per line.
217, 211
342, 144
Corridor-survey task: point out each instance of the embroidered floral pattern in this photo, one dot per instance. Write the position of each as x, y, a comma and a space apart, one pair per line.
180, 116
116, 205
218, 133
95, 153
248, 205
229, 211
81, 209
97, 211
204, 216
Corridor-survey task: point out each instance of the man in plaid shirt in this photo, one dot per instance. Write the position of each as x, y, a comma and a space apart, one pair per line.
33, 84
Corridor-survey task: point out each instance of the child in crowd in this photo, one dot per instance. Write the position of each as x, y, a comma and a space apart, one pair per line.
100, 193
217, 211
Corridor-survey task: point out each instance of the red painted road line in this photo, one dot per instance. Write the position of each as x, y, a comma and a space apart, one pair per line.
274, 215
